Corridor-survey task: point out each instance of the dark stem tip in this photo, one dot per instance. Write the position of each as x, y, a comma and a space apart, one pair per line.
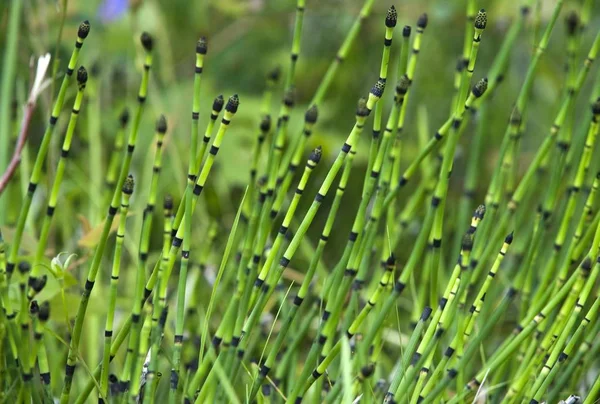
34, 308
509, 237
481, 19
24, 267
572, 22
218, 103
361, 108
406, 31
311, 114
315, 155
161, 124
84, 29
202, 46
422, 21
480, 87
128, 185
44, 313
391, 17
232, 104
265, 123
82, 75
378, 89
147, 41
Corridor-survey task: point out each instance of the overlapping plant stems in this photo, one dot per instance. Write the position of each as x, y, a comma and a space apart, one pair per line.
304, 288
346, 269
508, 153
323, 87
140, 277
98, 253
230, 110
391, 19
438, 200
112, 168
127, 190
35, 282
193, 167
36, 173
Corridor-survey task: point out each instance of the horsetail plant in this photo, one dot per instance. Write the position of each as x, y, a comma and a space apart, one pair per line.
245, 291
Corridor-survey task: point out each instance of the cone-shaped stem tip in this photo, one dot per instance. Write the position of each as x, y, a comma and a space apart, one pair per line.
218, 103
361, 109
572, 22
481, 19
315, 155
202, 46
311, 114
82, 75
422, 21
128, 185
378, 89
480, 87
509, 237
480, 212
391, 17
147, 41
84, 29
265, 124
44, 313
232, 104
161, 124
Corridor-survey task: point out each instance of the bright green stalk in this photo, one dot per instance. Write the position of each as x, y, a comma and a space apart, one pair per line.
304, 288
140, 295
472, 349
37, 283
99, 252
36, 173
141, 357
159, 318
362, 113
117, 151
95, 152
391, 19
127, 190
187, 235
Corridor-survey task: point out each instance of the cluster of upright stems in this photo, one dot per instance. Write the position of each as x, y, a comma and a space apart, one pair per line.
433, 297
